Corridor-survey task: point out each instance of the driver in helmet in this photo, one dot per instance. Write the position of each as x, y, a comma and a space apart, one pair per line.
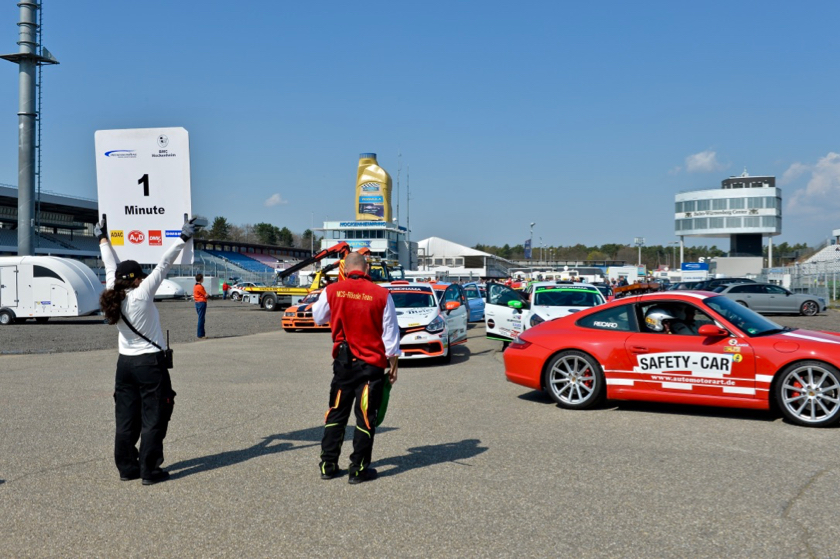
661, 319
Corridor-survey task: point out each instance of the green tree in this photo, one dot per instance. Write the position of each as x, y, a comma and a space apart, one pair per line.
266, 233
285, 237
220, 230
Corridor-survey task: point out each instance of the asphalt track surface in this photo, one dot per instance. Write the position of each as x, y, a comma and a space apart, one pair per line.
471, 466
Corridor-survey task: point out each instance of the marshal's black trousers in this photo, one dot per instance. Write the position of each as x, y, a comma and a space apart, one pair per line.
144, 401
362, 384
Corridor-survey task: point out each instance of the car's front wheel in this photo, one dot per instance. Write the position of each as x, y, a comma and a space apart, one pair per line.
236, 296
574, 380
808, 393
809, 308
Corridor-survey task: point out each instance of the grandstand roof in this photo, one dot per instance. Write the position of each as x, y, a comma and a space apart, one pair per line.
81, 209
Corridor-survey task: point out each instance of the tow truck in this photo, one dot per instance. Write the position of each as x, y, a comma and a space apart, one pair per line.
278, 296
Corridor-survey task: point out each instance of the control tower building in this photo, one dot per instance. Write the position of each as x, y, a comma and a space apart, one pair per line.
745, 209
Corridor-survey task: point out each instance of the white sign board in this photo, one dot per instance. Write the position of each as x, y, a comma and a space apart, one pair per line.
143, 181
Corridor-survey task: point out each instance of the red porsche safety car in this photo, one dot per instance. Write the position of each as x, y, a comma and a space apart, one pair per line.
681, 347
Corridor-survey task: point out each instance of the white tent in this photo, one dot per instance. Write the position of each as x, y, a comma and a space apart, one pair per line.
460, 261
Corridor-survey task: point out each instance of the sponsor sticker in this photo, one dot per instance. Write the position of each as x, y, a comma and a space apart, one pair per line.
737, 357
731, 349
136, 237
117, 238
413, 324
601, 324
694, 363
173, 233
733, 341
155, 238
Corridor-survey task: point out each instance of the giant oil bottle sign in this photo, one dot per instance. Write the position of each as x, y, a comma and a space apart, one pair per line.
373, 190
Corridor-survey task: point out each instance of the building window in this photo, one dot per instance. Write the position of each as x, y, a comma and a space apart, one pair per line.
683, 224
703, 205
450, 261
701, 223
752, 222
678, 207
459, 261
438, 261
719, 204
768, 221
716, 222
733, 222
769, 202
736, 203
689, 206
755, 203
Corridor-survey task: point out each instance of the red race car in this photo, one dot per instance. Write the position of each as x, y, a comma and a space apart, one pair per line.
685, 348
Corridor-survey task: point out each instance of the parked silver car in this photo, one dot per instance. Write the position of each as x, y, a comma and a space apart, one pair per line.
769, 298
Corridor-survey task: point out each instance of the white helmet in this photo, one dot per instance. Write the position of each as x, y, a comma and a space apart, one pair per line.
654, 318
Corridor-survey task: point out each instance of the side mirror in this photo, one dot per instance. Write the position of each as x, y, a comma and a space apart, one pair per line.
515, 304
452, 305
712, 331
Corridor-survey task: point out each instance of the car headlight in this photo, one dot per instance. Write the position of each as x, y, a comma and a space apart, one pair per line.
288, 314
437, 325
536, 319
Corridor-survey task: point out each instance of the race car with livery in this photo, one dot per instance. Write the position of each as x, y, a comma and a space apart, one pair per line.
681, 347
429, 326
509, 312
299, 317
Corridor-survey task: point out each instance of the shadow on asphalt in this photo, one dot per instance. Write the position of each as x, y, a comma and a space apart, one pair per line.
429, 455
266, 447
542, 397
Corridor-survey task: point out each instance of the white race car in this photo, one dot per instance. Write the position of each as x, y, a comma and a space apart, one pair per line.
510, 312
427, 328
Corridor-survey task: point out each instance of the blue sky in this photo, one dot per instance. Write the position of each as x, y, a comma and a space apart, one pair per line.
584, 117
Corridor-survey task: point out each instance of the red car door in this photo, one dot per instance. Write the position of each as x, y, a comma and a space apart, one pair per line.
692, 367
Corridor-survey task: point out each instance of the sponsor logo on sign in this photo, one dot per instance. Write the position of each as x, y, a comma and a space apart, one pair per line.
136, 237
173, 233
370, 187
155, 238
117, 238
121, 154
163, 140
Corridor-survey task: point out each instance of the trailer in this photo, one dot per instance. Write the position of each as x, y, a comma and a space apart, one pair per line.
42, 287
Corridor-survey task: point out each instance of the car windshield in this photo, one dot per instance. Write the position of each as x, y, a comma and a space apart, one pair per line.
747, 320
311, 298
567, 298
413, 299
472, 292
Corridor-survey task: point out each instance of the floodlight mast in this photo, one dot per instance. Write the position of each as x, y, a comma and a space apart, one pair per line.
28, 59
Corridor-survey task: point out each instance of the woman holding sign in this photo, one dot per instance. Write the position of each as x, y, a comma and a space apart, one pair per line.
143, 390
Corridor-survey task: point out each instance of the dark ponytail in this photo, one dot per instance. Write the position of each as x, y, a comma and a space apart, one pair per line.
111, 300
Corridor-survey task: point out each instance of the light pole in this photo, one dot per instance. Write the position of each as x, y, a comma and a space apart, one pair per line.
673, 245
531, 241
639, 242
542, 250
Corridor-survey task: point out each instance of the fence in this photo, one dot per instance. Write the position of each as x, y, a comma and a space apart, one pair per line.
816, 278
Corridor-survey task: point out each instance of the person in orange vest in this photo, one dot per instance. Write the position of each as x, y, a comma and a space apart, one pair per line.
366, 342
200, 298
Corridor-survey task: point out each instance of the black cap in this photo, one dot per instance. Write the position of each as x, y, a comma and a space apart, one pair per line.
129, 270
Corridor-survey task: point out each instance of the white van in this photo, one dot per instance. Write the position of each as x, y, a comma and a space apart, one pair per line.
41, 287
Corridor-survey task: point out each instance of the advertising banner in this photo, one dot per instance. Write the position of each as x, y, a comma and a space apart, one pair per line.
143, 184
528, 249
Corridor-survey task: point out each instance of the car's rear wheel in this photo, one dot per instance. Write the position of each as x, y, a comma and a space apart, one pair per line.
574, 380
236, 296
809, 308
270, 303
808, 393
